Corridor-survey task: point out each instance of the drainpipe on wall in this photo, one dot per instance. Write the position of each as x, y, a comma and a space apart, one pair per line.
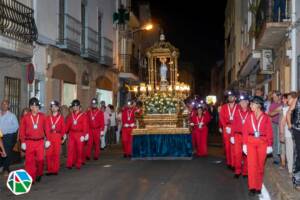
294, 53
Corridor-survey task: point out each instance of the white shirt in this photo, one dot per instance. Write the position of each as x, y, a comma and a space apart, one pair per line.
8, 123
287, 132
113, 121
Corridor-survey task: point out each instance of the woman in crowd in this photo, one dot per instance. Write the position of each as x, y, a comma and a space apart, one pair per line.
257, 143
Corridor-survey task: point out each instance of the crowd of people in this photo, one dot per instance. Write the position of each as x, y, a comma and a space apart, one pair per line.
254, 127
40, 136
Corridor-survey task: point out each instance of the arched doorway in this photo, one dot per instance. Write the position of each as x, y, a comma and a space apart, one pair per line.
64, 84
104, 90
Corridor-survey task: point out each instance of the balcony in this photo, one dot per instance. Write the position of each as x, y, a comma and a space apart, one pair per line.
106, 52
129, 67
90, 46
17, 29
271, 24
69, 34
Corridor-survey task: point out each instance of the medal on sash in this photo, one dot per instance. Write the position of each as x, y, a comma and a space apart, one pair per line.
200, 123
129, 115
53, 126
35, 124
256, 130
243, 119
231, 115
93, 116
75, 120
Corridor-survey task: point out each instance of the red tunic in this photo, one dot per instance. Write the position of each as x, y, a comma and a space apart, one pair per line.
28, 130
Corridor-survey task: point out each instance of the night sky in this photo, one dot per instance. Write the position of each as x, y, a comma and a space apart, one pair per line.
198, 31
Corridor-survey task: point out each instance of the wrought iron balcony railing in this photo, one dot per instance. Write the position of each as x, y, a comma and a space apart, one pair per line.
270, 11
106, 52
91, 49
69, 33
17, 21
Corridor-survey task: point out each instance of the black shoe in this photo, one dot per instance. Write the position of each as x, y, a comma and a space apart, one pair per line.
55, 174
252, 192
38, 179
49, 174
125, 155
102, 149
87, 158
258, 192
245, 176
237, 176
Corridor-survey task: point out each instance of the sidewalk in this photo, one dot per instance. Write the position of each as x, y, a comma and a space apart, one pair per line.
278, 183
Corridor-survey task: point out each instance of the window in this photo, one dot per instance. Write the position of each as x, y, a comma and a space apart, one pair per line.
61, 21
12, 92
83, 25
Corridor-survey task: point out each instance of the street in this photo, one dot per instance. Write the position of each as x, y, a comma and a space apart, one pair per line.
113, 177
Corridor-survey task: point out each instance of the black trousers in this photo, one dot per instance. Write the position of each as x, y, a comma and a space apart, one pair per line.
296, 136
9, 141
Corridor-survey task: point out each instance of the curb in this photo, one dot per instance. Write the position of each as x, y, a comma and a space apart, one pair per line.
278, 183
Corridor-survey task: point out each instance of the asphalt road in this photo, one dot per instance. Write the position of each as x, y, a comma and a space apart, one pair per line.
113, 178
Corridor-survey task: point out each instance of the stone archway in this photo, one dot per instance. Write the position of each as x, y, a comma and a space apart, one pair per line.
63, 84
65, 73
104, 83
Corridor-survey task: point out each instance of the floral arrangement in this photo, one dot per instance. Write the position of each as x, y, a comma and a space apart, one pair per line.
161, 104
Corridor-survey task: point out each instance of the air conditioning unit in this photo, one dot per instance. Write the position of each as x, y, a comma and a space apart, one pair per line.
266, 62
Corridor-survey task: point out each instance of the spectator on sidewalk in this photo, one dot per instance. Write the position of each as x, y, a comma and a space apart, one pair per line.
293, 121
274, 111
111, 137
119, 122
286, 133
2, 149
282, 132
9, 126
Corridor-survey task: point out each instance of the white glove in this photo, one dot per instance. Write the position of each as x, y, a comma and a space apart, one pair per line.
47, 144
86, 137
269, 150
126, 125
132, 125
192, 124
232, 140
245, 149
102, 133
228, 130
81, 138
23, 146
220, 130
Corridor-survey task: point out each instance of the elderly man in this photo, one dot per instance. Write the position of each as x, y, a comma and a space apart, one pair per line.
9, 126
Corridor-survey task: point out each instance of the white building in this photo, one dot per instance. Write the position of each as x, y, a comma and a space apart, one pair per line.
74, 53
17, 33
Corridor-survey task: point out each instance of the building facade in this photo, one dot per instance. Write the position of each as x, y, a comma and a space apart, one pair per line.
74, 53
259, 50
17, 35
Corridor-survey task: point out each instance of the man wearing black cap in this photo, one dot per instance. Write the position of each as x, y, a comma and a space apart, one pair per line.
56, 125
77, 128
96, 127
227, 119
33, 133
